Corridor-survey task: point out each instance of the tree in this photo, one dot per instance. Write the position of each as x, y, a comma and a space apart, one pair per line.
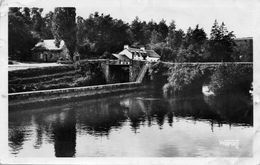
101, 33
37, 21
175, 37
47, 26
193, 46
163, 29
188, 38
171, 35
20, 37
198, 37
155, 37
64, 27
221, 43
137, 31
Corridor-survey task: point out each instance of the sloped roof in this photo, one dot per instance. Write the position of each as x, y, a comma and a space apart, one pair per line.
49, 45
136, 50
121, 57
152, 53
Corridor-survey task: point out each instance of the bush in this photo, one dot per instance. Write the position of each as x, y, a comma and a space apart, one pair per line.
231, 78
184, 79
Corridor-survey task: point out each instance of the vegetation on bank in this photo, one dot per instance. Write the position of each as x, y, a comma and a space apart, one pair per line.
187, 78
55, 77
230, 78
184, 78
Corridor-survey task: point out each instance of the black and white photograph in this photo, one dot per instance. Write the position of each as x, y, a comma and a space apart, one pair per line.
134, 79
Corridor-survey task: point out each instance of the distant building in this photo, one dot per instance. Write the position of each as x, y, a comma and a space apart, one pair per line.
137, 54
48, 51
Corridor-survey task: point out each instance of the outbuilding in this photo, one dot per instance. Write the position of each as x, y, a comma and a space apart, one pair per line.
49, 51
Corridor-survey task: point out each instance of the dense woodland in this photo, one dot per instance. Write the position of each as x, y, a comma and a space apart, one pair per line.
100, 35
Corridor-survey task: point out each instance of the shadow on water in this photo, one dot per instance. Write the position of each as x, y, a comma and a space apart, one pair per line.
59, 124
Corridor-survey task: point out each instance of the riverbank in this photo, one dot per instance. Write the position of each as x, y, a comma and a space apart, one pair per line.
44, 96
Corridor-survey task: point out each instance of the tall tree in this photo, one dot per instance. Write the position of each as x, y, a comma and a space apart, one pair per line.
221, 43
20, 37
163, 29
138, 30
47, 27
64, 27
37, 21
155, 37
171, 35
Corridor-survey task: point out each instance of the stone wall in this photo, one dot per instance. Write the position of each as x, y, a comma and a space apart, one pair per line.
24, 98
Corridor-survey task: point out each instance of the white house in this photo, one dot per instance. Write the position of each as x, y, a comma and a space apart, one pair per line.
138, 54
48, 51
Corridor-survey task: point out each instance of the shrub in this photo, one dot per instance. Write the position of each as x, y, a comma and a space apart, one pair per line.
184, 78
231, 78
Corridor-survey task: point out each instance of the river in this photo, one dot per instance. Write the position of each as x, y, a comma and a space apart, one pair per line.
142, 123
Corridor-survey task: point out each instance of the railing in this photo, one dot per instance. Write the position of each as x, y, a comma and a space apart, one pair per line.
205, 63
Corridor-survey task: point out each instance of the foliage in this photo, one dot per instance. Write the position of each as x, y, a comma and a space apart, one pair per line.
231, 78
184, 78
221, 43
166, 53
100, 33
21, 40
64, 27
193, 46
243, 51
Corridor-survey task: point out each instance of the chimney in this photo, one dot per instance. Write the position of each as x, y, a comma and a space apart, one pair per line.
126, 47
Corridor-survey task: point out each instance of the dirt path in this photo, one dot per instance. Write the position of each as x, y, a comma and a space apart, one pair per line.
21, 66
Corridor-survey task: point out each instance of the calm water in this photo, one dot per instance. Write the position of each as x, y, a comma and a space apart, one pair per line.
143, 123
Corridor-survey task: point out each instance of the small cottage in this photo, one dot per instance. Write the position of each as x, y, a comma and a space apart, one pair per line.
138, 54
48, 51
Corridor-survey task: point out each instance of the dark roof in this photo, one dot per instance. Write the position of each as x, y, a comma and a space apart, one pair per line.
152, 53
136, 50
121, 57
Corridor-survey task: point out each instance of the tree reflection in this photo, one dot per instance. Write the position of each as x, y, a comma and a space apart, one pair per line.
136, 113
64, 132
232, 108
98, 118
16, 140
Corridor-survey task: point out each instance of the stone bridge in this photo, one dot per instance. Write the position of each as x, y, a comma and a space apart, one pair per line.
178, 75
125, 71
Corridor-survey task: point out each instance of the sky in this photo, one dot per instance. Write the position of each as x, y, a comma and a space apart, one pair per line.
238, 15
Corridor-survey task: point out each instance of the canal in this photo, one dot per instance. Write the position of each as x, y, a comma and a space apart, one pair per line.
142, 123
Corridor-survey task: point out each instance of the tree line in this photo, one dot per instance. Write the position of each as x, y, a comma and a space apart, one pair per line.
100, 35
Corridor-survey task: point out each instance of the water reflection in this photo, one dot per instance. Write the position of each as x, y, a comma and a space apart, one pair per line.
62, 124
64, 134
99, 117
